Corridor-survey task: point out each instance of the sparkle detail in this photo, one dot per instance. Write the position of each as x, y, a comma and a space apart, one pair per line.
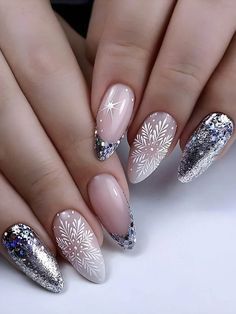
205, 145
111, 106
32, 257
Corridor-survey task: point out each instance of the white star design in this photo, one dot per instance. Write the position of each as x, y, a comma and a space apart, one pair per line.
110, 106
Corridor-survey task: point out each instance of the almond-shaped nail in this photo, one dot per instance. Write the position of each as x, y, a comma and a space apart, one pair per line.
150, 145
32, 257
111, 207
205, 145
79, 245
113, 118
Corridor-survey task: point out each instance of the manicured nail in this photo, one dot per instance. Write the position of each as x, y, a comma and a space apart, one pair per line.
111, 207
112, 119
32, 257
205, 145
79, 245
150, 146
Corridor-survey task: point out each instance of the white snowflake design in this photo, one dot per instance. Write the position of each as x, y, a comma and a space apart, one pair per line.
151, 146
76, 243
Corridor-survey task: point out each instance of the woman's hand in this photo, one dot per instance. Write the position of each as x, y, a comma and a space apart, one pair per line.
178, 60
49, 172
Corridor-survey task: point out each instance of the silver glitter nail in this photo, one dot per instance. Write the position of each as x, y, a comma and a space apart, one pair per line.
205, 145
32, 257
103, 149
128, 241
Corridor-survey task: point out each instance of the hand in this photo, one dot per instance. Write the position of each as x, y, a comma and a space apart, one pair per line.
179, 60
50, 178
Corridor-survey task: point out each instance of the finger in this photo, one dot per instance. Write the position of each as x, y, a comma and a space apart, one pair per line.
24, 241
186, 60
96, 26
131, 36
49, 75
77, 44
104, 189
32, 165
213, 120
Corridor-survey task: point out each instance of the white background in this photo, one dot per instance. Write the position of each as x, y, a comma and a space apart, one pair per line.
184, 261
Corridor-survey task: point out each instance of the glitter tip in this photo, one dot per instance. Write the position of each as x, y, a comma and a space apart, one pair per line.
185, 178
206, 143
128, 241
103, 149
32, 257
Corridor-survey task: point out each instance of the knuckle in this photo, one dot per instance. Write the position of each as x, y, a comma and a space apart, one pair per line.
184, 76
126, 49
45, 179
41, 62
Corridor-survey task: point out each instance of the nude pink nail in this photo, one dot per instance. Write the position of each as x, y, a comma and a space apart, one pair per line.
79, 245
112, 208
113, 118
150, 146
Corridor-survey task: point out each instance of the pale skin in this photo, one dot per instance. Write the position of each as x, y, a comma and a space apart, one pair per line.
47, 163
46, 166
174, 70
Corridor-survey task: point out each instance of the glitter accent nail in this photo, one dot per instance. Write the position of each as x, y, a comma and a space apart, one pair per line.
205, 145
32, 257
103, 149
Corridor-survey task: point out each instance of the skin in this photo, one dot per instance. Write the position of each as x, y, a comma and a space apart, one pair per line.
44, 99
175, 52
44, 104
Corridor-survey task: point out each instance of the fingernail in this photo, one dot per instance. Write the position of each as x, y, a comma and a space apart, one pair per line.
110, 205
150, 146
32, 257
79, 245
205, 145
112, 119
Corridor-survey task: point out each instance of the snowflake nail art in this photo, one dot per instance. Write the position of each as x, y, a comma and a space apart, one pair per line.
79, 245
150, 146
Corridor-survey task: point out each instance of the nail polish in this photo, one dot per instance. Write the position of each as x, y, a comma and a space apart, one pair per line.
150, 145
32, 257
79, 245
205, 145
110, 205
112, 120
